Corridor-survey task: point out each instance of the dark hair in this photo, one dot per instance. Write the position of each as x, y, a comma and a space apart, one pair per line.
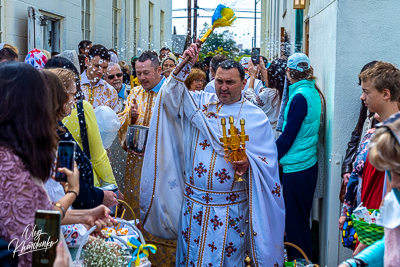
62, 62
57, 94
82, 64
26, 124
165, 48
99, 50
265, 61
216, 60
366, 66
276, 77
149, 55
361, 118
8, 54
83, 44
231, 64
53, 54
113, 50
207, 61
198, 65
363, 109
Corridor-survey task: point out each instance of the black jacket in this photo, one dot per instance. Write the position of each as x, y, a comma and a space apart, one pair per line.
351, 152
89, 196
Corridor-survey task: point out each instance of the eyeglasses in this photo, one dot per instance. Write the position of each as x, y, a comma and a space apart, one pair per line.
119, 75
199, 81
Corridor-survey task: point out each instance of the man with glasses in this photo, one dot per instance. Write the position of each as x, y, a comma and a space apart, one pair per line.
97, 91
114, 77
164, 53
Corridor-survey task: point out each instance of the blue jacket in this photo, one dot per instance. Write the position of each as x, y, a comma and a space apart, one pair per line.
303, 153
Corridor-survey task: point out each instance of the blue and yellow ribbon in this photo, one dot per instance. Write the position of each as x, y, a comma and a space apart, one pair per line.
223, 17
140, 250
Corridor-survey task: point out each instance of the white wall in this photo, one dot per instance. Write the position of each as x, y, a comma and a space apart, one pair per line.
143, 42
344, 36
15, 24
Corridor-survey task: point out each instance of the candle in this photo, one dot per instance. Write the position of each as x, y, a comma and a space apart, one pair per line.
122, 216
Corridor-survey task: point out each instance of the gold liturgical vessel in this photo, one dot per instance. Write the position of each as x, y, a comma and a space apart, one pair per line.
235, 144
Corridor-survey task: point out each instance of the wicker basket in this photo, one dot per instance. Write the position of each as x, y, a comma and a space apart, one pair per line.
368, 233
301, 251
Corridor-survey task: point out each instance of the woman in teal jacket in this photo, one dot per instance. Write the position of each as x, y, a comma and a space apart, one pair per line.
297, 152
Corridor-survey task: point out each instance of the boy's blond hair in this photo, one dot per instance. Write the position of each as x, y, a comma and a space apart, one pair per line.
383, 75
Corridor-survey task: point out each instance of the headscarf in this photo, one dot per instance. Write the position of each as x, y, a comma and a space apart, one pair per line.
170, 56
72, 56
36, 58
244, 61
113, 57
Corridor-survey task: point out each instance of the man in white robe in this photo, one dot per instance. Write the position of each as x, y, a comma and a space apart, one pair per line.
188, 190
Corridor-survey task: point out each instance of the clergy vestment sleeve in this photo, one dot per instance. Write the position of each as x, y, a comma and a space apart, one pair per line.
296, 115
113, 98
175, 88
124, 119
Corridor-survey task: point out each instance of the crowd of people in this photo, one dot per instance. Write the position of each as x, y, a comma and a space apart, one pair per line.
230, 165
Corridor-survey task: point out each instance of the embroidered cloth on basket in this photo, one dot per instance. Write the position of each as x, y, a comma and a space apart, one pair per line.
188, 191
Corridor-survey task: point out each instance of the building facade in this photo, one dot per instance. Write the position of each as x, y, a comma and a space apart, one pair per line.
128, 26
340, 37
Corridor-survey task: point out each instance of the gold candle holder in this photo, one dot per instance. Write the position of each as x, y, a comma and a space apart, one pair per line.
235, 144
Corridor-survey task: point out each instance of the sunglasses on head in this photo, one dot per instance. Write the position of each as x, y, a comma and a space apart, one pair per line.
119, 75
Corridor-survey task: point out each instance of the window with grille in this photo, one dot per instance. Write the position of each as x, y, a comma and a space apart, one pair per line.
150, 25
115, 17
162, 29
85, 19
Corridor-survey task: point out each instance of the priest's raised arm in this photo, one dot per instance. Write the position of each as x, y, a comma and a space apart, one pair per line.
189, 191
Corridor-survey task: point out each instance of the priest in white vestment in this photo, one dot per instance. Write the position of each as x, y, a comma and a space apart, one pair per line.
188, 191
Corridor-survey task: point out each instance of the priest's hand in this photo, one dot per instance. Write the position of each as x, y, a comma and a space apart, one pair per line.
192, 52
134, 111
241, 167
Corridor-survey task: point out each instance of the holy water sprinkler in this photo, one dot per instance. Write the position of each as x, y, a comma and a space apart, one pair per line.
223, 17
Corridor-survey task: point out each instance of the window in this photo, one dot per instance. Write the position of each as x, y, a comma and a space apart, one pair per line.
115, 12
284, 5
162, 29
85, 19
150, 25
1, 21
135, 25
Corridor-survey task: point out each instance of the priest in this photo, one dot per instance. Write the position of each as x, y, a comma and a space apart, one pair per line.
138, 111
221, 211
